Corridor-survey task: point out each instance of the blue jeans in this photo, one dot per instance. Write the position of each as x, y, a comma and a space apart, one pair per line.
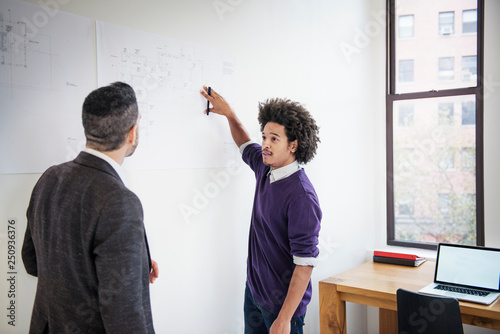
258, 320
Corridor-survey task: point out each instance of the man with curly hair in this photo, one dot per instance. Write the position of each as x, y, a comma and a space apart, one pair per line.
286, 215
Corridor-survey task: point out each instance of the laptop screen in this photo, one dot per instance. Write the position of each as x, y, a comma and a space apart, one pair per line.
468, 265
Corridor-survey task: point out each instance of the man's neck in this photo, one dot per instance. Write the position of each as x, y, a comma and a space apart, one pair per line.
117, 155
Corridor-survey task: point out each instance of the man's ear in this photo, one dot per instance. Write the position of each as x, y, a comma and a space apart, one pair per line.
132, 135
293, 146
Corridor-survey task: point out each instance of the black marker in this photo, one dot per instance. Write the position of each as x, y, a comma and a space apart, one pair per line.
208, 102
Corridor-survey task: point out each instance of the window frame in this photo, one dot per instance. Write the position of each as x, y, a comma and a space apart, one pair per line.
392, 97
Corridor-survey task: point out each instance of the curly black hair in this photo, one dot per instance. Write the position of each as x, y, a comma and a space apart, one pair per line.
298, 124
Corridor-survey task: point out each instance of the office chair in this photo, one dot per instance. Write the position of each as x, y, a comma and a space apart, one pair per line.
419, 313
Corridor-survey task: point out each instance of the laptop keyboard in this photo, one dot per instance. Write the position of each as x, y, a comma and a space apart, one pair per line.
462, 290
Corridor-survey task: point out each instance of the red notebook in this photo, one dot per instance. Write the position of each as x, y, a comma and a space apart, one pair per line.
411, 260
396, 255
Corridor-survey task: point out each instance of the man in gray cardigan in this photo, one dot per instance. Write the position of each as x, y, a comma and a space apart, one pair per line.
85, 238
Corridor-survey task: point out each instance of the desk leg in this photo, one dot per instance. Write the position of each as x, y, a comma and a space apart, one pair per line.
332, 318
388, 321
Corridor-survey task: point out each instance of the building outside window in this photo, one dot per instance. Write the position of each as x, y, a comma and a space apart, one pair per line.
446, 159
469, 21
405, 206
435, 134
468, 113
445, 113
446, 23
405, 26
446, 67
468, 158
469, 68
406, 70
405, 117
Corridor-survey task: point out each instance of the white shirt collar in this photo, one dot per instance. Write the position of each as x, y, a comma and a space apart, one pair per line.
283, 172
116, 166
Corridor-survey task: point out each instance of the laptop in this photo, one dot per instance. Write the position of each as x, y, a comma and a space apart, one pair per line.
468, 273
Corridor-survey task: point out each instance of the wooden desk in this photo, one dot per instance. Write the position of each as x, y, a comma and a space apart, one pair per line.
375, 284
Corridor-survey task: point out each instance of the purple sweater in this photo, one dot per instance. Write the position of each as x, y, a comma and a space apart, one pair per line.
285, 223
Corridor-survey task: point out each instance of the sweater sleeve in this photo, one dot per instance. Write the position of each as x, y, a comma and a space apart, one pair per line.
252, 156
303, 230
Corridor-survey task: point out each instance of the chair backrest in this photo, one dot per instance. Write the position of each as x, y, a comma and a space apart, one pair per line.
425, 314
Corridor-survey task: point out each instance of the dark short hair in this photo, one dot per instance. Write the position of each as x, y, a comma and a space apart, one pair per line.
108, 114
298, 124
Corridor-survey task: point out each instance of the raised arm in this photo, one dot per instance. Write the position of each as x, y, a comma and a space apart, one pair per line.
221, 107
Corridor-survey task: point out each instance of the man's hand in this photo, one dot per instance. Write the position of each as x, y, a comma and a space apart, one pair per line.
219, 104
298, 285
155, 272
280, 327
221, 107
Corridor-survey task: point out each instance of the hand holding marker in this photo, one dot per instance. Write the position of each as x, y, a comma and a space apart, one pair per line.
219, 105
208, 102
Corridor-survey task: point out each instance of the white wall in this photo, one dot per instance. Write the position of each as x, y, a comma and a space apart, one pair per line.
491, 133
285, 48
491, 123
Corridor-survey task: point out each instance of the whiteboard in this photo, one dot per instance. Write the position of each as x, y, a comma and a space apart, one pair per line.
167, 75
49, 63
47, 68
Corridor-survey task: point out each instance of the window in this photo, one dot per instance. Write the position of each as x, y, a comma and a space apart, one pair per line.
469, 21
405, 116
405, 206
446, 23
405, 26
467, 214
445, 113
434, 119
406, 71
446, 159
445, 205
446, 67
469, 68
468, 158
468, 113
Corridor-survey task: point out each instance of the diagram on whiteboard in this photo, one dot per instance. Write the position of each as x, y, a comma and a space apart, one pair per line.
46, 70
9, 44
25, 56
167, 76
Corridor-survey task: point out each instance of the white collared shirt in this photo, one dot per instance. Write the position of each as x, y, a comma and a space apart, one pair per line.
116, 166
283, 172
